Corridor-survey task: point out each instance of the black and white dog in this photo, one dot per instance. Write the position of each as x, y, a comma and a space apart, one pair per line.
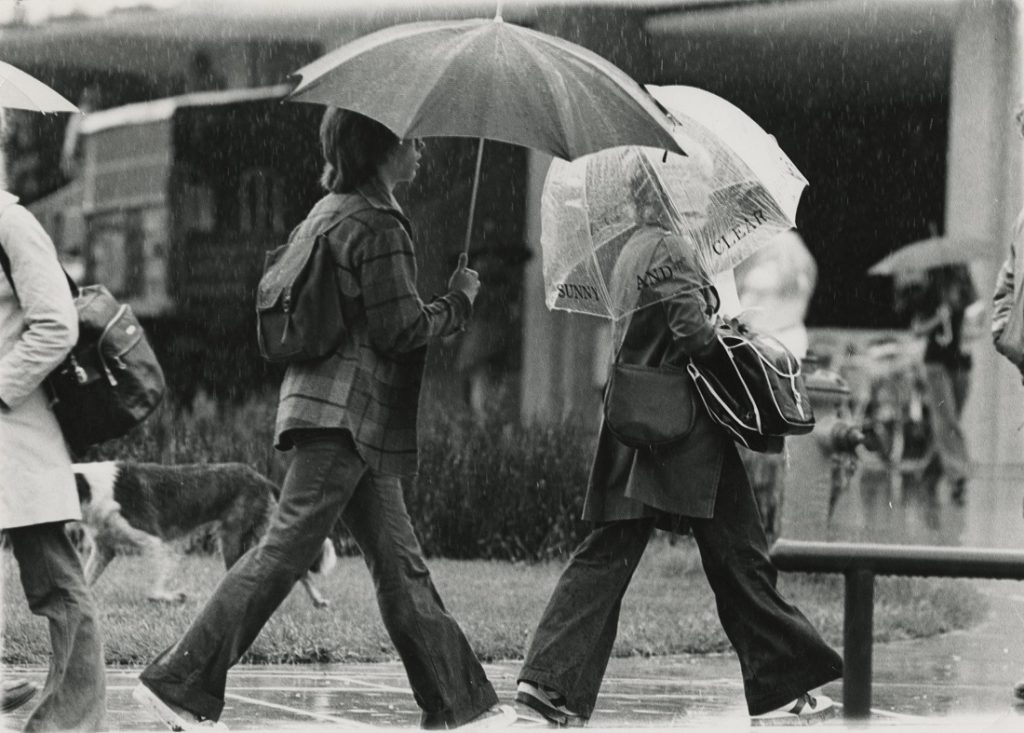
142, 506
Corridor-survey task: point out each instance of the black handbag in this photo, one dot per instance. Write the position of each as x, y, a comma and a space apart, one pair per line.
111, 381
756, 391
648, 407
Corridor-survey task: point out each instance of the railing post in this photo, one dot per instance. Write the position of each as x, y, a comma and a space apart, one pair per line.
857, 642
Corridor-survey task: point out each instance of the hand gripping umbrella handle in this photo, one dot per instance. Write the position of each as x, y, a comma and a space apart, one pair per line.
472, 198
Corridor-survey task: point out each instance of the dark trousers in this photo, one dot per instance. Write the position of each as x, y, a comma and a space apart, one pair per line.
781, 655
74, 696
327, 479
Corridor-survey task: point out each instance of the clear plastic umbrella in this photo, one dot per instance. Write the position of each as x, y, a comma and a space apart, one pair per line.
731, 195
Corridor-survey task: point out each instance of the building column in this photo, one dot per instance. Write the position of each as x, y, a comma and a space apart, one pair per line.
983, 197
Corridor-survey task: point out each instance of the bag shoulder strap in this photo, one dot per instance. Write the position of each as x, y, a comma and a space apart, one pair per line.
5, 261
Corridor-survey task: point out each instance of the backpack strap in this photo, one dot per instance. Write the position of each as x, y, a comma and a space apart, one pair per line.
5, 260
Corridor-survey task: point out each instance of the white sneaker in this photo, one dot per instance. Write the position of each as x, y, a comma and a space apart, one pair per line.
500, 716
805, 709
174, 718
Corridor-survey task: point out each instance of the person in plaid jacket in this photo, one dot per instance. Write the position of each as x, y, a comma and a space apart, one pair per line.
351, 419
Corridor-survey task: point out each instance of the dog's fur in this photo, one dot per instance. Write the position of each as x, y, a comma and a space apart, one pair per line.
142, 506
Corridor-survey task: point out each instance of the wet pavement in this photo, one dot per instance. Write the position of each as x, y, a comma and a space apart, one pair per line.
960, 681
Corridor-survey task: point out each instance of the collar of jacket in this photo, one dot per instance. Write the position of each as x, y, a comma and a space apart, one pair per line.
379, 197
7, 198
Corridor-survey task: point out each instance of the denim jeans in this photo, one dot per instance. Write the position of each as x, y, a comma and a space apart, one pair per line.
781, 655
74, 696
328, 479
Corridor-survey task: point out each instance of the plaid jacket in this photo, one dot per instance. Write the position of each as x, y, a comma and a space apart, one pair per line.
371, 384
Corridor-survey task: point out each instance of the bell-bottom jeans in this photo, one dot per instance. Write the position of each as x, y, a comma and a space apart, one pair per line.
781, 655
328, 479
74, 696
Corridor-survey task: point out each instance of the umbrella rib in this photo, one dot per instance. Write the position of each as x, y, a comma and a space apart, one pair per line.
547, 72
601, 65
442, 70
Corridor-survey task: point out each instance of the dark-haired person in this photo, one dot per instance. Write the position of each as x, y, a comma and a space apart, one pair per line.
38, 328
350, 419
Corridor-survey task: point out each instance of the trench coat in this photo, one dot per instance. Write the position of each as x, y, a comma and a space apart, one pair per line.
680, 480
38, 327
1007, 321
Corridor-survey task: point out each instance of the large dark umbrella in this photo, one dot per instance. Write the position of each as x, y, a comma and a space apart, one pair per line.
487, 79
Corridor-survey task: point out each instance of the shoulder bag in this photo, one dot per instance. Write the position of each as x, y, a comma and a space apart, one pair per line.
757, 391
648, 407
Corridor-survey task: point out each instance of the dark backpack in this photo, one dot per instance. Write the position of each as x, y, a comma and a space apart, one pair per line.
111, 381
298, 299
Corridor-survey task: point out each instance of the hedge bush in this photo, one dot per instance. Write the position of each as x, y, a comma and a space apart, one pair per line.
499, 490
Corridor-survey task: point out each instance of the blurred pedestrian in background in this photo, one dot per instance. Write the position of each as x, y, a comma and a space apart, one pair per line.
38, 328
939, 316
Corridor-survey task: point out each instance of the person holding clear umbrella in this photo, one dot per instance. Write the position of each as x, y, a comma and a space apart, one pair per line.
696, 484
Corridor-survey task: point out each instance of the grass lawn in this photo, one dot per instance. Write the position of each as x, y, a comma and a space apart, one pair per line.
668, 609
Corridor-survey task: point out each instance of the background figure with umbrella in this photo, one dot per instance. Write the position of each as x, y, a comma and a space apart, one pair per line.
38, 327
934, 289
939, 308
641, 253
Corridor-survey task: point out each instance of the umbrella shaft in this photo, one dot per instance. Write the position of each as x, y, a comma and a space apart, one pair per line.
472, 198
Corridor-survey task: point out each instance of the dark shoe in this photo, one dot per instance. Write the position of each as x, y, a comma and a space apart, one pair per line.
15, 694
1018, 690
805, 709
175, 718
549, 703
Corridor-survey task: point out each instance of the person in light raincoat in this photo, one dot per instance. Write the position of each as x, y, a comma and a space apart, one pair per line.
1008, 308
697, 484
38, 328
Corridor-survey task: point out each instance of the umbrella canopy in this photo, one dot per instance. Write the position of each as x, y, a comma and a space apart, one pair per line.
723, 206
751, 177
933, 252
487, 79
19, 90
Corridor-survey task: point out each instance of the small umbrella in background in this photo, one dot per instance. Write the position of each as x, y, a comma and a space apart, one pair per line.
933, 252
487, 79
732, 193
19, 90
